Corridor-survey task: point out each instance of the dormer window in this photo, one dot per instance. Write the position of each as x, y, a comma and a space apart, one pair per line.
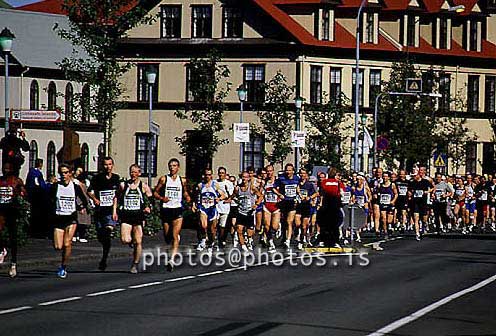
324, 24
410, 31
472, 35
442, 33
370, 31
201, 21
232, 22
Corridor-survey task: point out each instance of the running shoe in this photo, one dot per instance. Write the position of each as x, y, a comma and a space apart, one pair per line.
74, 239
3, 254
134, 269
417, 237
201, 245
62, 273
250, 244
13, 270
102, 266
272, 246
278, 233
287, 244
336, 246
83, 240
170, 266
300, 247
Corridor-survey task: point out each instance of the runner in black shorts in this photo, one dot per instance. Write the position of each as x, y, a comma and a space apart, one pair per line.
133, 203
306, 194
419, 187
401, 204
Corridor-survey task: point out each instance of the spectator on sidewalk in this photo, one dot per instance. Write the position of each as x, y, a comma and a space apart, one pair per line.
11, 146
36, 188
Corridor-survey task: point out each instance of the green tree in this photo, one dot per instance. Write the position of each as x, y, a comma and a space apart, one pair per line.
95, 28
413, 124
276, 117
325, 126
208, 89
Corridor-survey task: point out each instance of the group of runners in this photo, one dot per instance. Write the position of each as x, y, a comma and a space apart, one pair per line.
260, 206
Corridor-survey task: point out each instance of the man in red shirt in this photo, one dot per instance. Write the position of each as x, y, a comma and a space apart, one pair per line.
330, 214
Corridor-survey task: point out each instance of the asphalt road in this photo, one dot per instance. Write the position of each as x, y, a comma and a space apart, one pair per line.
335, 299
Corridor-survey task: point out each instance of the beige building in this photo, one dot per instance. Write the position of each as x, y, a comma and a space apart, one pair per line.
313, 44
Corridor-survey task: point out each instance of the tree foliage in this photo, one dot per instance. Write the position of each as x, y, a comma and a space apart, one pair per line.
412, 124
95, 28
208, 89
326, 131
276, 118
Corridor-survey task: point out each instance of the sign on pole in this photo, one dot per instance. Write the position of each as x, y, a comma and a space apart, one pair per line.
155, 128
414, 85
241, 132
440, 160
298, 139
35, 116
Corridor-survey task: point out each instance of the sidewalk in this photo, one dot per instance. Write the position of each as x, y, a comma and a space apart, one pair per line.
40, 251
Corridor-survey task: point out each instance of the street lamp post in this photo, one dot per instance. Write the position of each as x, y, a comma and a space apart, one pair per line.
364, 164
376, 111
357, 85
151, 76
298, 104
242, 93
6, 38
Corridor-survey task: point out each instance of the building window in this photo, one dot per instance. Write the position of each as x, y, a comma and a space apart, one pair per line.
198, 93
369, 28
335, 86
411, 30
471, 158
443, 33
101, 155
201, 21
474, 36
141, 154
50, 160
69, 102
488, 158
490, 95
143, 83
315, 84
34, 96
360, 85
85, 103
170, 17
85, 157
232, 22
253, 152
33, 153
473, 94
254, 80
374, 86
326, 24
52, 96
445, 91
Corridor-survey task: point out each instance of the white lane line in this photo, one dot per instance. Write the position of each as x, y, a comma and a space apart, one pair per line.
180, 279
383, 241
210, 273
49, 303
106, 292
419, 313
13, 310
147, 284
234, 269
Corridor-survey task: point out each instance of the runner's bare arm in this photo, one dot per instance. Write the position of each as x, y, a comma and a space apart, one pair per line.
156, 192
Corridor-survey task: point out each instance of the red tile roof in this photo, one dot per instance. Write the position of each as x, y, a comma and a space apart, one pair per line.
46, 6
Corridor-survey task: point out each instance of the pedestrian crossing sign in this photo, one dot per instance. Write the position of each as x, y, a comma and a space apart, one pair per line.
440, 160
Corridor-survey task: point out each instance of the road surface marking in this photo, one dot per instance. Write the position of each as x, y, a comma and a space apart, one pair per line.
419, 313
180, 279
377, 245
210, 273
49, 303
13, 310
107, 292
147, 284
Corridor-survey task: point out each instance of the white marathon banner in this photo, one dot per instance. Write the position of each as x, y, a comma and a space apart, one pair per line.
241, 132
298, 139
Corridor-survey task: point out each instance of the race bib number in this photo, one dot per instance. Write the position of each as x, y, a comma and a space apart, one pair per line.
67, 204
107, 198
483, 196
132, 203
173, 193
245, 202
6, 195
459, 192
385, 199
439, 194
402, 190
345, 197
304, 193
207, 201
290, 190
271, 197
418, 193
360, 200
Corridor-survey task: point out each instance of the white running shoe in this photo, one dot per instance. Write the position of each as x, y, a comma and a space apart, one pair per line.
83, 240
202, 245
300, 247
287, 243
